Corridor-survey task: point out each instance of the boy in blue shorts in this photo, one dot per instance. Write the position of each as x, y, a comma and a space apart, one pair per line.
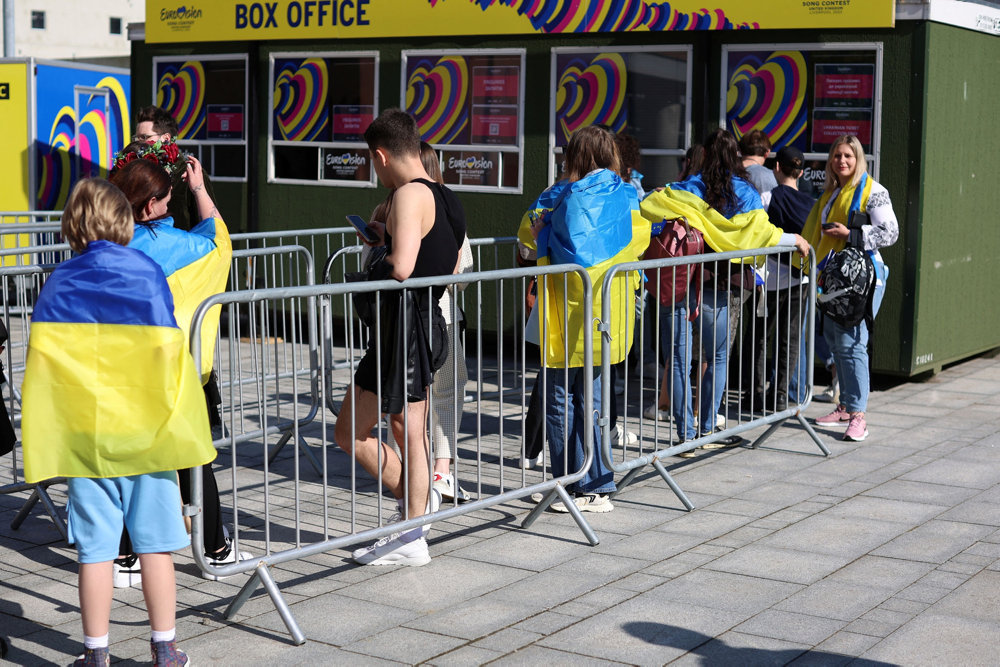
113, 402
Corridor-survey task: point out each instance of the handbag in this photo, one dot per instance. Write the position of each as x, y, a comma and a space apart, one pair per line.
376, 268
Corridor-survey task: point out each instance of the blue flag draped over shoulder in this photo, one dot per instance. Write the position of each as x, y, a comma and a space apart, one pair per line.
196, 265
593, 222
110, 389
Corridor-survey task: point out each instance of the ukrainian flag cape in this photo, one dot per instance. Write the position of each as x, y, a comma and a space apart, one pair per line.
849, 200
196, 264
746, 229
593, 222
109, 388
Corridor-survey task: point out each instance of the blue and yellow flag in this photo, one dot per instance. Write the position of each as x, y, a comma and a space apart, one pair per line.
196, 264
110, 389
593, 222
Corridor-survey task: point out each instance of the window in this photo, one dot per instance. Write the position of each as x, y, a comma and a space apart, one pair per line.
805, 95
116, 25
38, 20
207, 97
322, 104
644, 91
469, 106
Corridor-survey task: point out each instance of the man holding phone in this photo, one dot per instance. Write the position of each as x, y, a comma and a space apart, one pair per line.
422, 232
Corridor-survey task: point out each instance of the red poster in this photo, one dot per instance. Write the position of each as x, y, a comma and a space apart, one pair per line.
827, 125
351, 121
494, 125
224, 121
495, 85
842, 86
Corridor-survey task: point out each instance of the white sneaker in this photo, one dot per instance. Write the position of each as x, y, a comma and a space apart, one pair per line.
829, 395
445, 484
529, 462
619, 435
229, 557
591, 502
126, 572
391, 551
653, 413
720, 421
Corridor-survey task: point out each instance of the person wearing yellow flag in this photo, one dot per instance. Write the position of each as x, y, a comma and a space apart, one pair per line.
850, 190
590, 219
112, 401
722, 204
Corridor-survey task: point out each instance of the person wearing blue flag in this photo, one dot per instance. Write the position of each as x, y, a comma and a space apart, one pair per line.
112, 401
590, 219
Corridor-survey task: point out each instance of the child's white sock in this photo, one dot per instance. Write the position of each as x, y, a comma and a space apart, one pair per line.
165, 636
95, 642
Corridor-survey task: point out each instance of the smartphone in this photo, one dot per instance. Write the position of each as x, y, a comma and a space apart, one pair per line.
828, 225
366, 232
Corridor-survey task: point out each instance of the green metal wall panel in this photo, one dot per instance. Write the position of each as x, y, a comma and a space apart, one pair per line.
957, 306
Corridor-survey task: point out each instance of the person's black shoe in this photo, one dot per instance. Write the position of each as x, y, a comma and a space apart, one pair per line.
724, 442
780, 402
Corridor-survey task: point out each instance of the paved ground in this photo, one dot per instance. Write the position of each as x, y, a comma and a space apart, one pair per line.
886, 552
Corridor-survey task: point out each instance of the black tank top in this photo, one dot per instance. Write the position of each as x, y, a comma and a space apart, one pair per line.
439, 248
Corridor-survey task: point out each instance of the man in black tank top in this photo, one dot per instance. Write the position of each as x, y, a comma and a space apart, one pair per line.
422, 233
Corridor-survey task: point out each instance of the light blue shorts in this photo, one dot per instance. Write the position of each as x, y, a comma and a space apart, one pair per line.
149, 505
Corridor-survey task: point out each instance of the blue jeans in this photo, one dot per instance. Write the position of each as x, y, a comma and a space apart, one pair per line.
675, 341
850, 351
798, 381
564, 403
713, 325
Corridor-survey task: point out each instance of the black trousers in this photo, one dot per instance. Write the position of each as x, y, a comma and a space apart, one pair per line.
779, 335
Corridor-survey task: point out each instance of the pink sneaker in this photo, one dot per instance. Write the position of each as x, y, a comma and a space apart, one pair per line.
857, 429
838, 416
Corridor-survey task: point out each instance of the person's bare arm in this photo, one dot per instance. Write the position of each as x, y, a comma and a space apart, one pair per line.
196, 181
411, 217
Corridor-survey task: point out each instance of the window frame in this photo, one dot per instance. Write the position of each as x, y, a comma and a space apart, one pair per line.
687, 49
372, 181
111, 25
35, 15
201, 146
872, 157
516, 149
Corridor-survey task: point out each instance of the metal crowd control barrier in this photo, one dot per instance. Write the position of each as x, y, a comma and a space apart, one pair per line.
19, 286
747, 340
288, 515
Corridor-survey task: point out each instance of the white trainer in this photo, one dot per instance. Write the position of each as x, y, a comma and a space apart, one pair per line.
391, 551
126, 572
228, 557
445, 484
619, 435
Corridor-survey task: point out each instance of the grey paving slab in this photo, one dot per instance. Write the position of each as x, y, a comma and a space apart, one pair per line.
735, 648
722, 590
405, 645
932, 493
937, 639
833, 599
934, 541
768, 562
792, 627
836, 536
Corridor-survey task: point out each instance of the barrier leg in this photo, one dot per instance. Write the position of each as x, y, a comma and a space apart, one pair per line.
766, 434
626, 480
39, 493
812, 434
303, 447
681, 496
574, 511
263, 575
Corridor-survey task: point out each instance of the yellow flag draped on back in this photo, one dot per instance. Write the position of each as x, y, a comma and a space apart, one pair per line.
110, 389
850, 199
593, 222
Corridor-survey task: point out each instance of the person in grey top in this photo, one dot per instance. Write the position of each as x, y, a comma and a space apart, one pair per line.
754, 147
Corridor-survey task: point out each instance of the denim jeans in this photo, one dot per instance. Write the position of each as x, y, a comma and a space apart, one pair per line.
713, 326
850, 351
675, 343
565, 407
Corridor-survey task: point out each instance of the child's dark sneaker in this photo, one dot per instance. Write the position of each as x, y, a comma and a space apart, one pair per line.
166, 654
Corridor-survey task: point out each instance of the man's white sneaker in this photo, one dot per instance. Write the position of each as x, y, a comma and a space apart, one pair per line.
590, 502
391, 551
655, 414
619, 435
126, 572
445, 484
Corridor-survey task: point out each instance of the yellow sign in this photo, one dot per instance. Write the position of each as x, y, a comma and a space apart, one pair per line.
229, 20
14, 190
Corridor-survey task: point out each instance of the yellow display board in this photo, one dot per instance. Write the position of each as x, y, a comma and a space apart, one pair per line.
14, 188
231, 20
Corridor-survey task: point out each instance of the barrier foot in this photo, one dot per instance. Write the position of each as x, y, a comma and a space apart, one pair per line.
574, 512
626, 480
303, 447
766, 434
263, 574
812, 434
668, 478
39, 493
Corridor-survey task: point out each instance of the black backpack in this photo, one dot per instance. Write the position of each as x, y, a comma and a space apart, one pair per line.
846, 287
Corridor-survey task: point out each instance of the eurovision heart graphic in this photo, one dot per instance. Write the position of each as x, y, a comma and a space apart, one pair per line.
768, 96
182, 93
300, 90
436, 95
590, 93
561, 16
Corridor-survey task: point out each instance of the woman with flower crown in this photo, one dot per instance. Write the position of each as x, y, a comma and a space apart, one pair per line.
196, 264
